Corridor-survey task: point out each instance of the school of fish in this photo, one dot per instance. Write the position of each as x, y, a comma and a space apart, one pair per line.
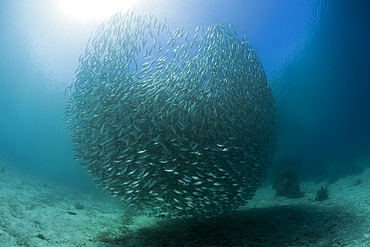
181, 126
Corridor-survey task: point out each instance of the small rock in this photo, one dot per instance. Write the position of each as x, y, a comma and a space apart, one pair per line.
322, 194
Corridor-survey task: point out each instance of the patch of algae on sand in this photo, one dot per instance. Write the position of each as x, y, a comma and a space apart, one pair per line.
111, 236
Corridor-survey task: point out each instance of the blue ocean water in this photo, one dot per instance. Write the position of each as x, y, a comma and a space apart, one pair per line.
315, 54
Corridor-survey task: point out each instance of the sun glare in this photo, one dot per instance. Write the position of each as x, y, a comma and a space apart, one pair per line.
93, 9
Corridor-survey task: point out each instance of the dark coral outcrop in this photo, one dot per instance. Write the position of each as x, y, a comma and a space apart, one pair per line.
287, 185
322, 194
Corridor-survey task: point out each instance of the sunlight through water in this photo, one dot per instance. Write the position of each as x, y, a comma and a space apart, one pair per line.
93, 9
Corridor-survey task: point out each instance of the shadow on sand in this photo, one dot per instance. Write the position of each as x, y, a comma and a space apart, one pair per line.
291, 225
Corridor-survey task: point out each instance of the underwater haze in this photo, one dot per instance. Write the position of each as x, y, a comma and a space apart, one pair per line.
315, 55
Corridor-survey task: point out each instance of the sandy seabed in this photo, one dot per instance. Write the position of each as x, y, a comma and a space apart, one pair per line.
35, 214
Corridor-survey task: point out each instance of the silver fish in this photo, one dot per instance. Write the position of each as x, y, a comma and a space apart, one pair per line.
186, 129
